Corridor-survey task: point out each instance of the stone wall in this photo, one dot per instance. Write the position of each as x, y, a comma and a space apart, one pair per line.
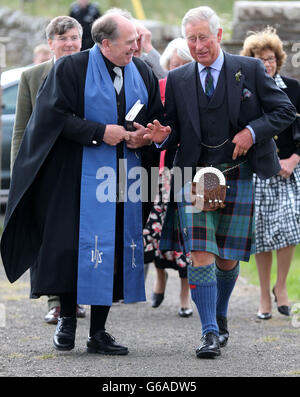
256, 15
253, 15
24, 33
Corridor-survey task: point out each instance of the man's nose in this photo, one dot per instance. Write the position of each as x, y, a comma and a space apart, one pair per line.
69, 41
199, 43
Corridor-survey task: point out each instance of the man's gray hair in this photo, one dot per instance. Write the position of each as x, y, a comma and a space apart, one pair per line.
60, 25
106, 26
202, 13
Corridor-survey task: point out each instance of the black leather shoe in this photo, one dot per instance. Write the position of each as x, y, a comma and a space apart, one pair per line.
64, 337
209, 346
104, 343
285, 310
158, 298
223, 330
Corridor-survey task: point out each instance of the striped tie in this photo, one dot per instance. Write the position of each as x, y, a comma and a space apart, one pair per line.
209, 83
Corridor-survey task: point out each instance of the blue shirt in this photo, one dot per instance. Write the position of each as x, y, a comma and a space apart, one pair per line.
215, 69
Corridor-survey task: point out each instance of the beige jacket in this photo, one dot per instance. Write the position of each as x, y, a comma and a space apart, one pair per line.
30, 82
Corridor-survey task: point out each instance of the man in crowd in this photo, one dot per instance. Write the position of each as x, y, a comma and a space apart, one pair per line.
75, 144
222, 110
64, 38
85, 13
145, 49
147, 52
41, 53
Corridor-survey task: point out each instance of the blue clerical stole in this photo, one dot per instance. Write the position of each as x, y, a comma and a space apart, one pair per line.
98, 194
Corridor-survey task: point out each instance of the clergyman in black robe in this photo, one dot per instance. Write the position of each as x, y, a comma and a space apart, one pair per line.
42, 219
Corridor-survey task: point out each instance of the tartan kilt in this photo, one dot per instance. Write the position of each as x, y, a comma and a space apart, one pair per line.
227, 232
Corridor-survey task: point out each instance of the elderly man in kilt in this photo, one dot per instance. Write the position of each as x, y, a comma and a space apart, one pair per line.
221, 110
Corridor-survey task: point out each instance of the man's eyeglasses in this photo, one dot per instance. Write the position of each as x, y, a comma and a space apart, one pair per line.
193, 39
270, 59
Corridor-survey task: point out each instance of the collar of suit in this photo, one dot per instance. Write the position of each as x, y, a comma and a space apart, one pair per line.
215, 69
234, 85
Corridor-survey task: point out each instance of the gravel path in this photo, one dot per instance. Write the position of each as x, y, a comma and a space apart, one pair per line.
160, 343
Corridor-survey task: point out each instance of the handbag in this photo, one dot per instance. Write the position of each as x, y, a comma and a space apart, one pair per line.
296, 129
208, 189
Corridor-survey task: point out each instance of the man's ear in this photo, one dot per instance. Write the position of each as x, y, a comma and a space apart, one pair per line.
50, 43
220, 34
106, 44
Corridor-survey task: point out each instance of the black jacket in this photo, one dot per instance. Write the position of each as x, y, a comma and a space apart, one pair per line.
85, 16
42, 217
266, 108
285, 143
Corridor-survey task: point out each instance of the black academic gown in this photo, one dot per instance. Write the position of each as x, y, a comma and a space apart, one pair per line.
42, 217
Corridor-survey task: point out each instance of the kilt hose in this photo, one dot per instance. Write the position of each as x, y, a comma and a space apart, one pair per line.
227, 232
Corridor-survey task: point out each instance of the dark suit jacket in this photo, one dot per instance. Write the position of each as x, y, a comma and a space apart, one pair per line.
265, 107
286, 144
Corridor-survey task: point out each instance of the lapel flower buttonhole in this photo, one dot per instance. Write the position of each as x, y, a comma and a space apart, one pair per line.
238, 76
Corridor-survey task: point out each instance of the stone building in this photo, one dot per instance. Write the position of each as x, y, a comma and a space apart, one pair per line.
256, 15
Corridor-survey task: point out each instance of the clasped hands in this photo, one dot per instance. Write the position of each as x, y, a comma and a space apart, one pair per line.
156, 132
115, 134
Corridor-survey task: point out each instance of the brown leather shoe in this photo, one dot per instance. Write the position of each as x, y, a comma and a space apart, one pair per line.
80, 311
52, 316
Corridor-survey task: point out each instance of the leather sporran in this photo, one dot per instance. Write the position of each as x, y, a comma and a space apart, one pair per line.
208, 190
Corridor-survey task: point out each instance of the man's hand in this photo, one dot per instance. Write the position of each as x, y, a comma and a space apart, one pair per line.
144, 39
288, 165
136, 138
156, 132
243, 141
115, 134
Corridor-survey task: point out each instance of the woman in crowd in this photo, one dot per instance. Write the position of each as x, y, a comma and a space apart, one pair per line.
277, 200
176, 54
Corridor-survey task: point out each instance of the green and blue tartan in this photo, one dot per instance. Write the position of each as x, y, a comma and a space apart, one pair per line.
209, 83
206, 275
227, 232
